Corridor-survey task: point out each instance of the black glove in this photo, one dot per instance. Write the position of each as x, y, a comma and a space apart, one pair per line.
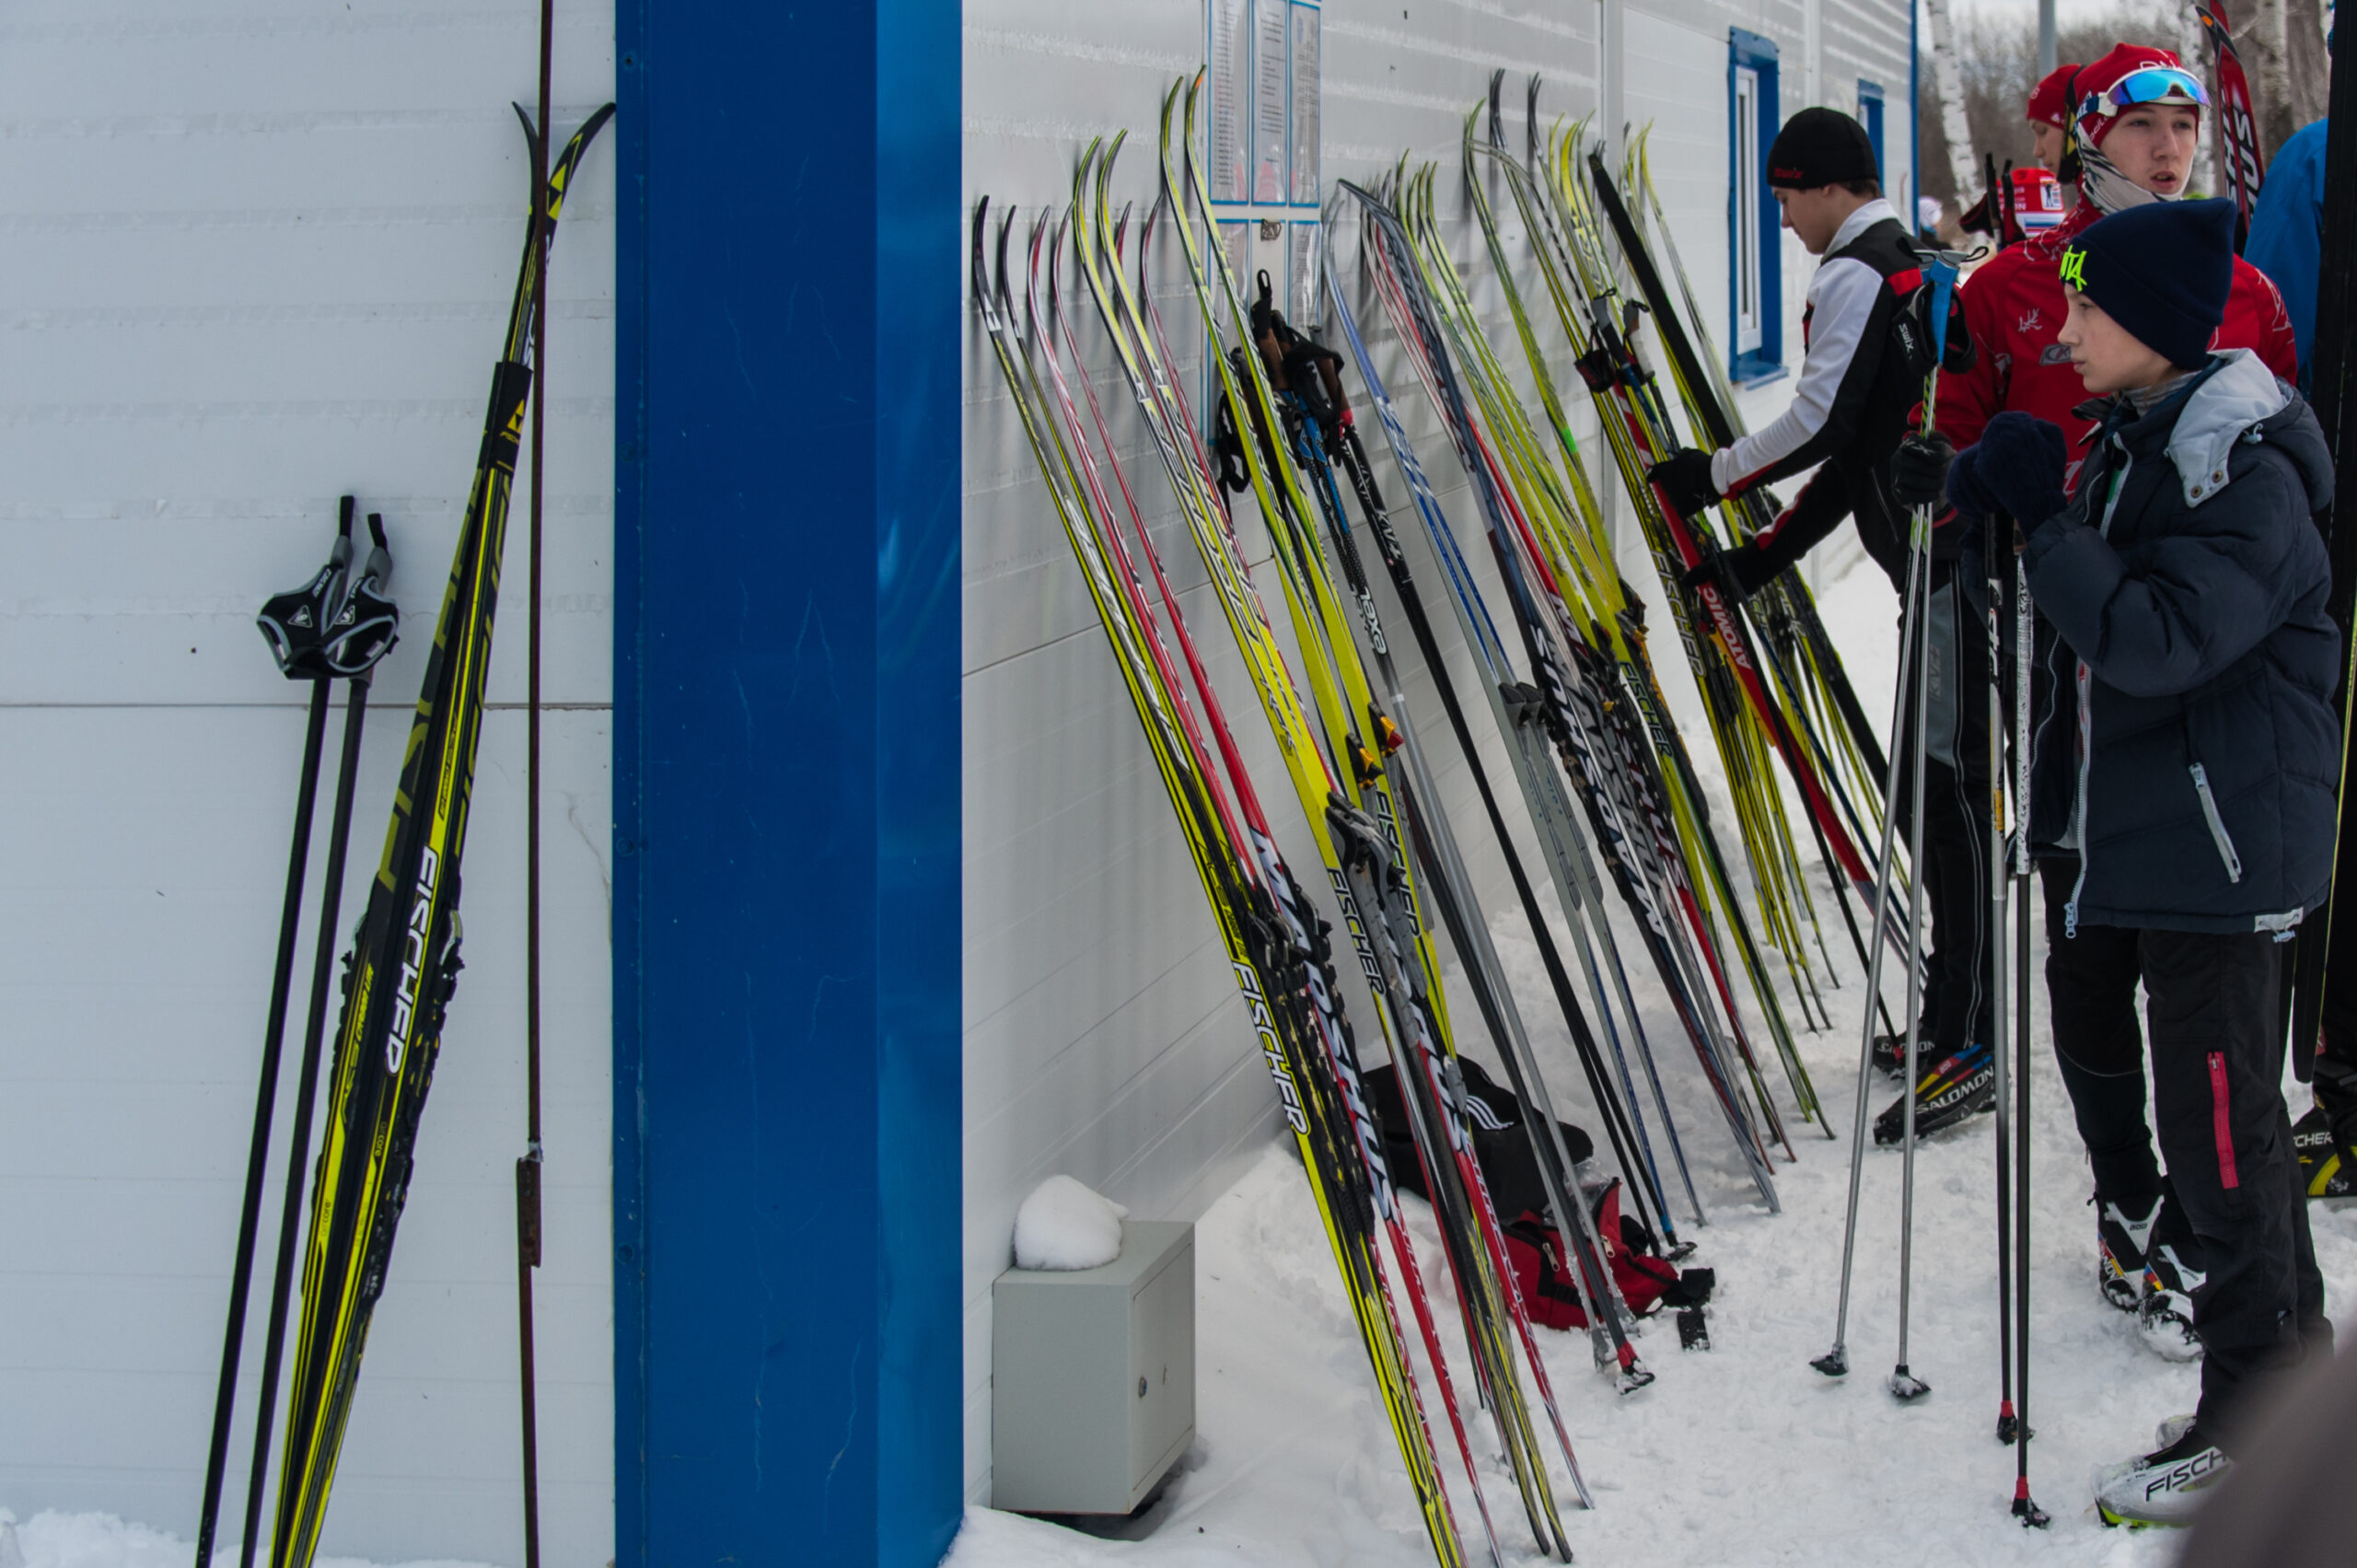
1918, 471
2017, 469
1967, 494
1684, 480
1748, 567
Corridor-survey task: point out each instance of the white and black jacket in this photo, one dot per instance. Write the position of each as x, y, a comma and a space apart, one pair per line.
1857, 393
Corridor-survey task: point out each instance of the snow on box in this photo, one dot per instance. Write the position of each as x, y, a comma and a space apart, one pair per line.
1065, 1224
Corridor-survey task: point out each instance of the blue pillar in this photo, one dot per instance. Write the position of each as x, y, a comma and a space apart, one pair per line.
786, 914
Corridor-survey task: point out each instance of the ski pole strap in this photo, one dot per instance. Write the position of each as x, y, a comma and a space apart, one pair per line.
1940, 269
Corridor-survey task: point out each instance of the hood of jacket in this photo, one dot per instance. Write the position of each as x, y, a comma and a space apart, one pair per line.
2239, 400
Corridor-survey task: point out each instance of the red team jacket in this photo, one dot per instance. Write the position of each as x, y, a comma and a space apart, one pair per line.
2013, 307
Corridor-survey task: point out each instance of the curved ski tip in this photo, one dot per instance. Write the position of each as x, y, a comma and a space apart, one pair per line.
576, 145
531, 131
1906, 1388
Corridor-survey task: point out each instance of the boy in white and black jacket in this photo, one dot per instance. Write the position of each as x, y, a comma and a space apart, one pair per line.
1869, 341
2183, 782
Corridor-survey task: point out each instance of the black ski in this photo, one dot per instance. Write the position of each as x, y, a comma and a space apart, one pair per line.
2330, 364
405, 962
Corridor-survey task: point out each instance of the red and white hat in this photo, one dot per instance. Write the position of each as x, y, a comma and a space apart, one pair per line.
2127, 75
2050, 101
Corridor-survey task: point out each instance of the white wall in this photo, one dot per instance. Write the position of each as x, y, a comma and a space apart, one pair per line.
255, 256
1102, 1036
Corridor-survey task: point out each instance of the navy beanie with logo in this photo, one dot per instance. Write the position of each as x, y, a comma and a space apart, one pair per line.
1818, 147
2162, 270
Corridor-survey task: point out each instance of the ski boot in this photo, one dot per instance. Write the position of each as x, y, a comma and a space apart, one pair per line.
1890, 1049
2123, 1238
1946, 1093
2165, 1318
2327, 1167
2166, 1487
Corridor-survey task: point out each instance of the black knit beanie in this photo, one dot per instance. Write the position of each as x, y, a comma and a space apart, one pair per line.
2162, 270
1820, 146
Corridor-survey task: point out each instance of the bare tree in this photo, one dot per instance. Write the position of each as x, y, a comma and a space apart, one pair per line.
2311, 65
1948, 88
1997, 64
2260, 38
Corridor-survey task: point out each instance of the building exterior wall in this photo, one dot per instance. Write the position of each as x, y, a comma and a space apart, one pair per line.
258, 257
1103, 1039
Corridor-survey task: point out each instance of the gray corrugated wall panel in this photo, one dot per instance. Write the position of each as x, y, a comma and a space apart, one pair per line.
1103, 1037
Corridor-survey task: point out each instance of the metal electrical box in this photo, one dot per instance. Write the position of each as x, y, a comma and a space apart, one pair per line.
1093, 1376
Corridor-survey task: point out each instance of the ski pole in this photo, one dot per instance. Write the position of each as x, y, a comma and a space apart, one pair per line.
1999, 882
2024, 639
1835, 1363
1940, 268
529, 1230
1905, 1384
290, 918
361, 642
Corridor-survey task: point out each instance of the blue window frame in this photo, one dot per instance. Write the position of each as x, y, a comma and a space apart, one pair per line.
1755, 276
1870, 116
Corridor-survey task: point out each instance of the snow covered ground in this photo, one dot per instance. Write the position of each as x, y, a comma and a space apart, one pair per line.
101, 1541
1740, 1455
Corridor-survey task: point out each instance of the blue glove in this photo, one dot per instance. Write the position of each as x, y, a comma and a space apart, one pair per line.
2017, 469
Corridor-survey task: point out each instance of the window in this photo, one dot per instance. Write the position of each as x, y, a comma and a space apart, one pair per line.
1746, 219
1870, 116
1754, 250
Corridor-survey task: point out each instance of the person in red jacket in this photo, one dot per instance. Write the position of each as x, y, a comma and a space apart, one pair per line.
2127, 149
2137, 113
2050, 116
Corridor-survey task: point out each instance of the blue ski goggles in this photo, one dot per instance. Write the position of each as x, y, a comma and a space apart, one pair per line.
2154, 84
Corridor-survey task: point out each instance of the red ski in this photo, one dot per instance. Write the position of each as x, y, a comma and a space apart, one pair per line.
2237, 129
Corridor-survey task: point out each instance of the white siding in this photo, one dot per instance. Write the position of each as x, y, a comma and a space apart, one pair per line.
1103, 1037
258, 256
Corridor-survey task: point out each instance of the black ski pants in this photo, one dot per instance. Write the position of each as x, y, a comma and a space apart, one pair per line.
2217, 1067
1958, 986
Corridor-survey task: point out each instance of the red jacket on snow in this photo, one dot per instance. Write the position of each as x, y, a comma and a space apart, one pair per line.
2013, 307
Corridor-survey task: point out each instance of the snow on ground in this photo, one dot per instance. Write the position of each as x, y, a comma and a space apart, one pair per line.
1739, 1454
52, 1539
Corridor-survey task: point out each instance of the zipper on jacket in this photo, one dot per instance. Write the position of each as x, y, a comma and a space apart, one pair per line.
2079, 805
2222, 1124
2217, 824
2086, 724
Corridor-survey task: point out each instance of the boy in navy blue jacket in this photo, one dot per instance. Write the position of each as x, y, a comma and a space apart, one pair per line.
2182, 793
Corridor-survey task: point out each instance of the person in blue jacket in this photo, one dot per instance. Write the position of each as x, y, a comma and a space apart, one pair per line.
2183, 777
2287, 232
